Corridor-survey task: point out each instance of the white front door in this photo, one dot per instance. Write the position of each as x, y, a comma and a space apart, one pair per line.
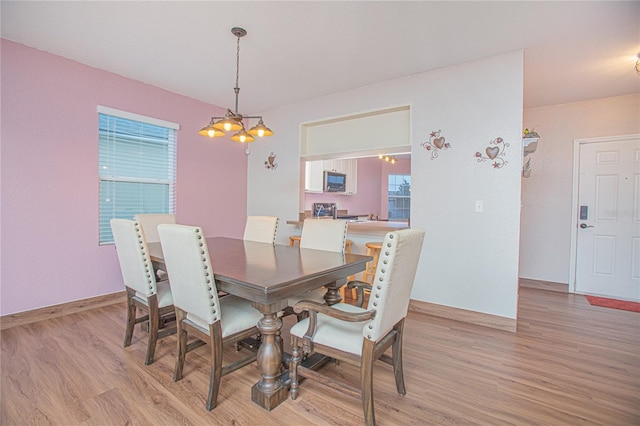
608, 235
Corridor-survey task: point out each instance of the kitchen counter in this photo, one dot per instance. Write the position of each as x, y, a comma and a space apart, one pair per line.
365, 226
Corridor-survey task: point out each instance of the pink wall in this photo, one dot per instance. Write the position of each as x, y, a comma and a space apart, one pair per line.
49, 153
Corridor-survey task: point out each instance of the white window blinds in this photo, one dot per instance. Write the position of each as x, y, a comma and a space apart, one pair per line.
137, 167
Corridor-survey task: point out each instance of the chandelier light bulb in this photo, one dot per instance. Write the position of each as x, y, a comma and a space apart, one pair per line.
211, 131
260, 130
242, 136
227, 126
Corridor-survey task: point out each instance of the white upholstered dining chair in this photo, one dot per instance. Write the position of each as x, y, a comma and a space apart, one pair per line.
360, 336
324, 234
321, 234
262, 229
150, 222
212, 320
143, 291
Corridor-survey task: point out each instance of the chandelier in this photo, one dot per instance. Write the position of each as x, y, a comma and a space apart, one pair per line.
233, 121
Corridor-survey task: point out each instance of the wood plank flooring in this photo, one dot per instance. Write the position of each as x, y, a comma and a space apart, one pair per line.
569, 363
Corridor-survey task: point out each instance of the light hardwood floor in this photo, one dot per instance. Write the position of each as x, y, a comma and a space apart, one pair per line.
569, 363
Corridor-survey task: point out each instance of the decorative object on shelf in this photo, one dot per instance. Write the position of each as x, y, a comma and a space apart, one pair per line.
271, 162
388, 158
526, 169
233, 121
435, 144
494, 152
530, 144
529, 141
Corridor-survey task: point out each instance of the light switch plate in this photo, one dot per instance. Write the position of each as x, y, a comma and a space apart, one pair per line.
479, 206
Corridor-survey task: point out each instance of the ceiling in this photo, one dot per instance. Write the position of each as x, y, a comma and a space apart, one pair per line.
574, 51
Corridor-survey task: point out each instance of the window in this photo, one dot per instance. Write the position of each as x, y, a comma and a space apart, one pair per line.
137, 167
399, 196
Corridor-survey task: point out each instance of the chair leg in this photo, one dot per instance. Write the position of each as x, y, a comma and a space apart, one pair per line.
154, 322
215, 342
366, 381
131, 318
182, 344
396, 354
293, 367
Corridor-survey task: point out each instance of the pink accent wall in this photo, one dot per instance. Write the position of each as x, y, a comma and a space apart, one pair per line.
49, 175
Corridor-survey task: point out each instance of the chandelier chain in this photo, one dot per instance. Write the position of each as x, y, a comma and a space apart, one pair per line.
237, 89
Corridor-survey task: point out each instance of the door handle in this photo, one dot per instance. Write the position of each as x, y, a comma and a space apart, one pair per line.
584, 226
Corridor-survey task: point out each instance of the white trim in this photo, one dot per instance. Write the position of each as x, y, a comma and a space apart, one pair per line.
361, 114
574, 199
137, 117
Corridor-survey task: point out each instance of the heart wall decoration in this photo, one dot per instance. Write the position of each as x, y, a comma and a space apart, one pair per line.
271, 164
494, 152
435, 144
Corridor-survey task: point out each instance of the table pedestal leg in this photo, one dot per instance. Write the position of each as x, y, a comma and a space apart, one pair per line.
269, 391
333, 296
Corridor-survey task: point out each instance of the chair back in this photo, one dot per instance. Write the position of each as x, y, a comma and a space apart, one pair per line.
188, 264
135, 263
261, 229
324, 234
150, 222
393, 281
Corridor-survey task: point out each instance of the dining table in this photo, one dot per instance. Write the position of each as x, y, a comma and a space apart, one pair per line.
267, 275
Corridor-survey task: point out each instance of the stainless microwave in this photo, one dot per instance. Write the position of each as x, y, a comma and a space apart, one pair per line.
335, 182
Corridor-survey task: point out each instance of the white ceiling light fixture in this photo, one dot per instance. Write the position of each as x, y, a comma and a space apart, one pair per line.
233, 121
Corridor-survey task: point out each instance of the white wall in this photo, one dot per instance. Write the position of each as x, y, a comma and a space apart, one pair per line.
546, 195
469, 260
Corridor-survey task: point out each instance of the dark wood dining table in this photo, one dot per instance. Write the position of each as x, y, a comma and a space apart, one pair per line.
268, 275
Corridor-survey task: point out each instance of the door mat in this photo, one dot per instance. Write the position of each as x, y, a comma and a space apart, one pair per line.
613, 303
